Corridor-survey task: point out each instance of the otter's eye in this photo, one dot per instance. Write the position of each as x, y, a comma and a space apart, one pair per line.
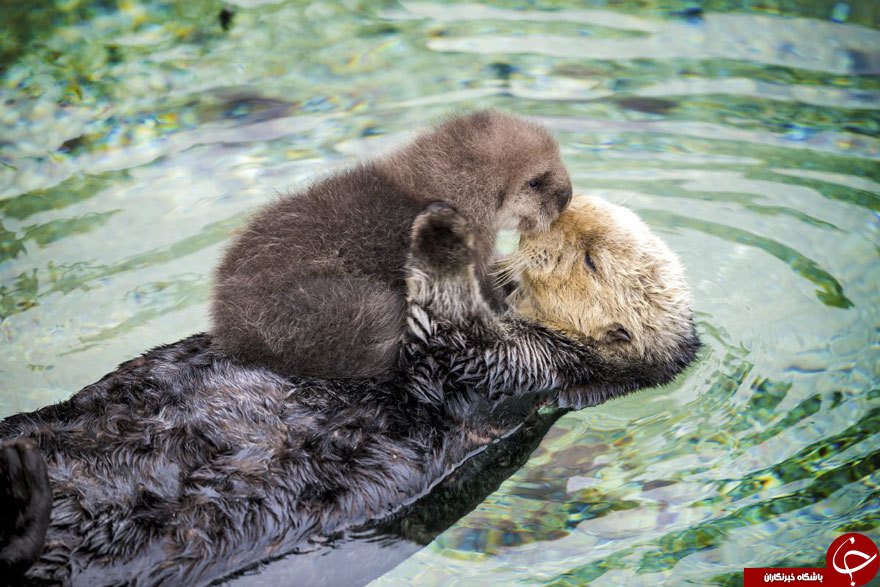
588, 261
535, 183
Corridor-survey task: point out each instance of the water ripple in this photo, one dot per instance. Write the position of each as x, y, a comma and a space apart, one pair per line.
135, 137
748, 37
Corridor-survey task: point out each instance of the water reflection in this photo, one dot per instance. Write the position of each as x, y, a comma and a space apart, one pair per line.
137, 137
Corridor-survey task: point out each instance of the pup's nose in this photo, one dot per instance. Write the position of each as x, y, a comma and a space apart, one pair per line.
563, 197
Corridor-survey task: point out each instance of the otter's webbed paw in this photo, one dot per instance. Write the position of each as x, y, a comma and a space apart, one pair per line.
441, 242
25, 505
441, 283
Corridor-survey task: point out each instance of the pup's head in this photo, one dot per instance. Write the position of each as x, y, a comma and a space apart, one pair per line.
512, 162
600, 274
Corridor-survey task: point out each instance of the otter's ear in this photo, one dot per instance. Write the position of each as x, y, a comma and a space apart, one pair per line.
617, 334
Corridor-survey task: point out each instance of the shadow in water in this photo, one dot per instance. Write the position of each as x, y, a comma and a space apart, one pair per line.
372, 551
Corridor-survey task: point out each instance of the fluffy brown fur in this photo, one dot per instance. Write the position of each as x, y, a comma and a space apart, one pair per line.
314, 285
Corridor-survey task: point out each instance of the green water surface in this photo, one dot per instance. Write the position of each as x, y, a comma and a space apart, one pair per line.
136, 136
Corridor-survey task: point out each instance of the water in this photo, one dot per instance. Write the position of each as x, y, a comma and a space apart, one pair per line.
134, 138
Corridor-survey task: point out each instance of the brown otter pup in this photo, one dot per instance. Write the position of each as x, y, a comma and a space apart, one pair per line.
314, 284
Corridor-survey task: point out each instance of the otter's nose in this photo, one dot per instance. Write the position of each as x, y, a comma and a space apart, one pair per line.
563, 197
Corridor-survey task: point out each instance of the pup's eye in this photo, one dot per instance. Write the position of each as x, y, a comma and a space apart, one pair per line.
588, 261
534, 183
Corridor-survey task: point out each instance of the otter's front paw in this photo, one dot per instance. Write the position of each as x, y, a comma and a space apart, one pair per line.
25, 505
441, 240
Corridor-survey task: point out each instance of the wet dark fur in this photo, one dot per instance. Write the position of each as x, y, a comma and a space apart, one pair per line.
25, 503
368, 553
314, 284
185, 465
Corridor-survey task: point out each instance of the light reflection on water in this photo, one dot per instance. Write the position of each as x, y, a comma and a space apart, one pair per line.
135, 142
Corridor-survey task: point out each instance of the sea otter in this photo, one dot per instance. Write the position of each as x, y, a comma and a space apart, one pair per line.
314, 284
186, 465
601, 274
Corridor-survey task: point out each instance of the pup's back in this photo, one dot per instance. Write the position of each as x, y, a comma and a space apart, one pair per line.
310, 286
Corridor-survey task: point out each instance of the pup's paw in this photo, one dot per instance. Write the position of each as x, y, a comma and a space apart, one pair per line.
441, 241
25, 505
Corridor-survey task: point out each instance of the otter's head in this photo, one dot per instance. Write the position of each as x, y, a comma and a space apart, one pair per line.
533, 185
599, 274
490, 162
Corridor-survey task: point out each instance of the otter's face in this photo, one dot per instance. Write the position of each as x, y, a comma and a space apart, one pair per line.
599, 273
536, 195
520, 161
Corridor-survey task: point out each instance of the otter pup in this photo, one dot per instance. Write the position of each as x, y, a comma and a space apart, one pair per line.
186, 465
314, 284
